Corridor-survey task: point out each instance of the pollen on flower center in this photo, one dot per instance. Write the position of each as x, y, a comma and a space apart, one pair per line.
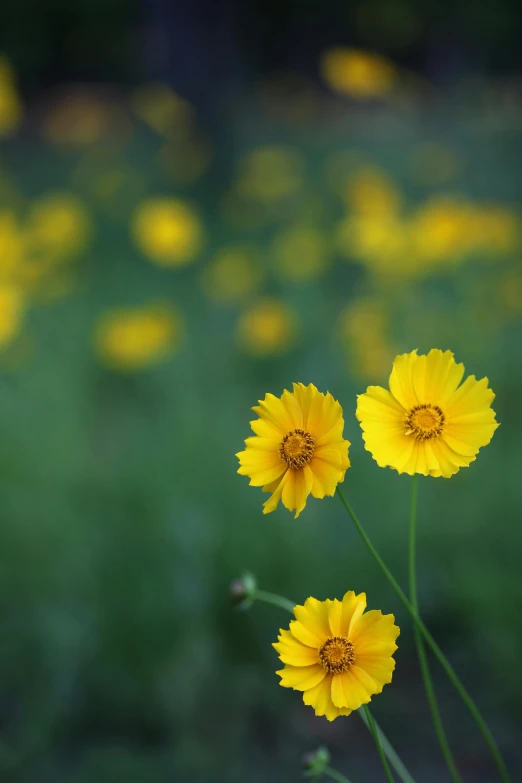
297, 448
337, 654
425, 421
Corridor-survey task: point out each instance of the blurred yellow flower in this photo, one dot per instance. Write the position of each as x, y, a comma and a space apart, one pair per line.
337, 654
270, 173
497, 230
372, 192
133, 338
11, 313
168, 231
443, 229
58, 226
233, 274
81, 117
11, 247
298, 447
363, 328
382, 243
268, 328
300, 254
427, 423
11, 110
358, 73
161, 108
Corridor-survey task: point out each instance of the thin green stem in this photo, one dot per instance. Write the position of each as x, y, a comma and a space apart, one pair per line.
380, 751
450, 672
275, 600
400, 769
391, 755
421, 651
333, 774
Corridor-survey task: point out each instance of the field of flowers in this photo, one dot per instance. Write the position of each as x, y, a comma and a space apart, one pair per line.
158, 276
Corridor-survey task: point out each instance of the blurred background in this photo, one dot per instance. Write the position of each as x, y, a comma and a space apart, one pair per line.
201, 202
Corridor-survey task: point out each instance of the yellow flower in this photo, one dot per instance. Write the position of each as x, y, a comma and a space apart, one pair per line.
300, 254
10, 104
59, 226
372, 192
268, 328
161, 108
232, 275
168, 231
427, 423
336, 654
11, 313
443, 229
298, 447
358, 73
269, 173
131, 339
11, 247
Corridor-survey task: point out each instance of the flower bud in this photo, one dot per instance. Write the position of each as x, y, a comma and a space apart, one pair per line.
242, 591
316, 762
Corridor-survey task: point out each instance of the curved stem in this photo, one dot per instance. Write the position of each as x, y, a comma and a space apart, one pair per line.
400, 769
464, 695
375, 734
274, 599
421, 651
333, 774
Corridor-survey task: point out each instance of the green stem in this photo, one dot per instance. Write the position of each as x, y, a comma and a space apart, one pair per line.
464, 695
275, 600
334, 775
421, 651
400, 769
391, 755
375, 735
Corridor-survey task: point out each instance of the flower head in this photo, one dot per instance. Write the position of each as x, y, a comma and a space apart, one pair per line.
337, 654
269, 327
427, 423
298, 447
130, 339
168, 231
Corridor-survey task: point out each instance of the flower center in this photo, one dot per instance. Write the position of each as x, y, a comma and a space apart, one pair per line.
337, 654
297, 448
424, 421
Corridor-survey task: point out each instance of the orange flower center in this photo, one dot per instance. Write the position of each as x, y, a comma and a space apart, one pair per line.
337, 654
424, 421
297, 448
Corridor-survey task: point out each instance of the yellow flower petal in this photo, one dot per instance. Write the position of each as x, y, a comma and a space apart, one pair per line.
320, 699
371, 627
349, 691
304, 635
293, 652
401, 380
443, 375
470, 399
314, 616
272, 503
274, 412
301, 678
297, 488
380, 668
